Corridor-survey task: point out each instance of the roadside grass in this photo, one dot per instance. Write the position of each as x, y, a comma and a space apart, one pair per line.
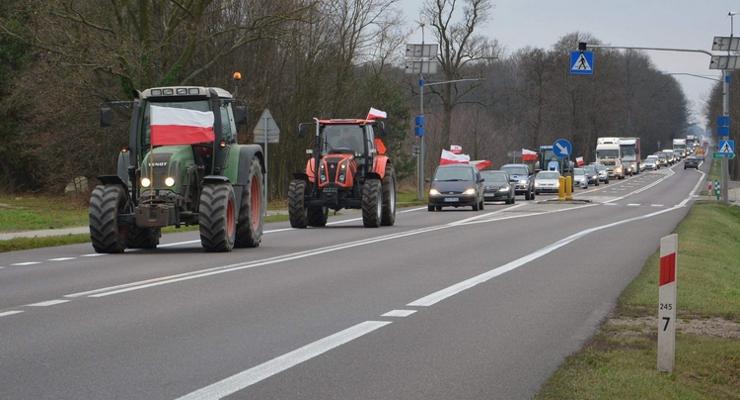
407, 197
30, 212
620, 360
714, 173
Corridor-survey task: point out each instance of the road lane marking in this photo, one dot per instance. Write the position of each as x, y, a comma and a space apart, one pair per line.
633, 205
8, 313
47, 303
279, 364
693, 190
62, 259
92, 255
398, 313
656, 205
22, 264
450, 291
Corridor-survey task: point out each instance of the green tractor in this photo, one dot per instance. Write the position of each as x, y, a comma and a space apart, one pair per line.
215, 184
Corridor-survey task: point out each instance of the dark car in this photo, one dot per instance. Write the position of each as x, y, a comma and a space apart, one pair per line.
522, 178
593, 175
456, 186
497, 187
692, 162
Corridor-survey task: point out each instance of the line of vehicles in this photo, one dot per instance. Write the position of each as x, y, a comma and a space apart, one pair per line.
462, 185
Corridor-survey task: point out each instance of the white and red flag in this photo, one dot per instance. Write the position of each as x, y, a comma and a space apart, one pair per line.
175, 126
529, 155
481, 164
449, 157
579, 161
374, 113
456, 148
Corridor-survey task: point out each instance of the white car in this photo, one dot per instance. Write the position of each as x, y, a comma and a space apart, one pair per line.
580, 178
547, 181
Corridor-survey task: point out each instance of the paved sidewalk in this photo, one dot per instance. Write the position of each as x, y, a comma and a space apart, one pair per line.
77, 230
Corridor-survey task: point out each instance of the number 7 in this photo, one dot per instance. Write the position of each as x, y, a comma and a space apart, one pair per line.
667, 319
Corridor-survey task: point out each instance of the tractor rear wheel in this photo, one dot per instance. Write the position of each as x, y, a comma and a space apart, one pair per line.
297, 210
372, 203
217, 217
107, 233
143, 238
389, 197
250, 224
317, 216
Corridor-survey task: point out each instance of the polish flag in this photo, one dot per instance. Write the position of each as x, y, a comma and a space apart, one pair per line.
449, 157
456, 148
481, 164
579, 161
529, 155
374, 113
175, 126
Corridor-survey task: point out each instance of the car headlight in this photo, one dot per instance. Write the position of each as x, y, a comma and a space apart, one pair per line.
618, 169
146, 182
523, 181
504, 189
469, 191
434, 192
169, 181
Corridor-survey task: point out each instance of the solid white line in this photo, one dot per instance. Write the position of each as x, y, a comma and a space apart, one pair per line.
47, 303
481, 216
696, 187
398, 313
267, 369
62, 259
7, 313
21, 264
449, 291
609, 204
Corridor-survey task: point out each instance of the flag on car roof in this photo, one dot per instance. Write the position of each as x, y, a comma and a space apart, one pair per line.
176, 126
481, 164
449, 157
374, 113
456, 148
529, 155
579, 161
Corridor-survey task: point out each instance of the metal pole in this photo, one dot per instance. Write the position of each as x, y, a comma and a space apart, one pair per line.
266, 166
725, 163
421, 186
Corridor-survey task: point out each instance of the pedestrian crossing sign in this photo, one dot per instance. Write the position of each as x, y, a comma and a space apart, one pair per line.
726, 146
581, 62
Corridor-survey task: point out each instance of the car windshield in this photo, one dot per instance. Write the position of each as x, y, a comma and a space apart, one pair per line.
343, 137
494, 176
600, 167
454, 174
652, 157
590, 169
515, 169
548, 175
579, 171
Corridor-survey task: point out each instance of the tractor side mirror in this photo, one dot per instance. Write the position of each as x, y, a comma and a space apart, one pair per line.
240, 114
106, 116
304, 129
383, 131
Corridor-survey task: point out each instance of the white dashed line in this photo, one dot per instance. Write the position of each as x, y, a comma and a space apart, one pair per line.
7, 313
22, 264
93, 255
657, 205
633, 205
62, 259
47, 303
398, 313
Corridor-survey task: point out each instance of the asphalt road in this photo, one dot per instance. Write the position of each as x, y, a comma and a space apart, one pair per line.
444, 305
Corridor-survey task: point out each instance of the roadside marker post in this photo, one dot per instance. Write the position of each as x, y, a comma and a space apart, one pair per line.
667, 303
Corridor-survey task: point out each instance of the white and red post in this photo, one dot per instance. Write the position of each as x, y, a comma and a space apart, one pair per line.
667, 303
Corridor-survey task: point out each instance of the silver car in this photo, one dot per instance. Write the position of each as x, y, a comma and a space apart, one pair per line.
580, 178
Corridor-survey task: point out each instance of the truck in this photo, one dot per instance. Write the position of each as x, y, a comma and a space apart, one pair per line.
691, 142
609, 154
630, 149
679, 148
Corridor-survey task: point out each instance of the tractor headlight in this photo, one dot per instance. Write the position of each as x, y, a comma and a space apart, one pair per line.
169, 181
433, 192
470, 191
146, 182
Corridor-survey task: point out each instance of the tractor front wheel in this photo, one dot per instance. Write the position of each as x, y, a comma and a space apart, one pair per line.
389, 197
251, 222
372, 203
217, 217
317, 216
297, 210
107, 233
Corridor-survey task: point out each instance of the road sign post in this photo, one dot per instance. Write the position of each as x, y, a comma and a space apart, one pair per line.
266, 132
667, 303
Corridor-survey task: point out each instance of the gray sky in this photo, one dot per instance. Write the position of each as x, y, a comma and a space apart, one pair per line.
654, 23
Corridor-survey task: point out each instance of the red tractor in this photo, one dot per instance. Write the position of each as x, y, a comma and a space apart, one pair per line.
354, 172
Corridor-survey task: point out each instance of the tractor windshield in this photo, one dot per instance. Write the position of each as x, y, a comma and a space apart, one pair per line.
339, 138
228, 125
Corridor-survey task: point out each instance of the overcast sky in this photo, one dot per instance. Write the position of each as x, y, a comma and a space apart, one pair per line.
652, 23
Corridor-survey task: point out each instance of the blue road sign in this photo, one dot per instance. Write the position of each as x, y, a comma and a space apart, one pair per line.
726, 147
723, 120
723, 131
562, 148
581, 62
419, 125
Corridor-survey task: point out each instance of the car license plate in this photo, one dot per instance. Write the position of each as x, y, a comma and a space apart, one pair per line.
451, 199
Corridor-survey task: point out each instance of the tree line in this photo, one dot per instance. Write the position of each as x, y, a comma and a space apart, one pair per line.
60, 59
